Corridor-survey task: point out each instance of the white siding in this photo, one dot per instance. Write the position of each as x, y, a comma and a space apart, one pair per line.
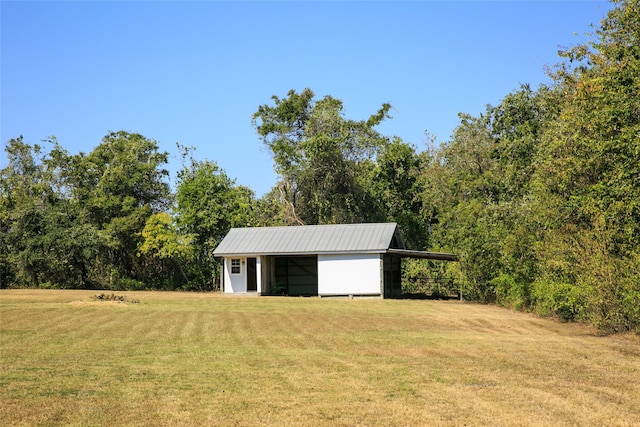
355, 274
235, 282
259, 261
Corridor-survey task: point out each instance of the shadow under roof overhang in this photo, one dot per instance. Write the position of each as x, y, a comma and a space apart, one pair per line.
405, 253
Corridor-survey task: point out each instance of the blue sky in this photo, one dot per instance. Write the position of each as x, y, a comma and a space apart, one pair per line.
195, 72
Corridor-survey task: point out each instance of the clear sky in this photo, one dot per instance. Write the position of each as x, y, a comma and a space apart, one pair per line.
195, 72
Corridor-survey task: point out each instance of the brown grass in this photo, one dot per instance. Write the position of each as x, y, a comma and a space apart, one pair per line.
206, 359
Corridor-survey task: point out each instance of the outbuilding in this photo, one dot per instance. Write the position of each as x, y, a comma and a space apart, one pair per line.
322, 260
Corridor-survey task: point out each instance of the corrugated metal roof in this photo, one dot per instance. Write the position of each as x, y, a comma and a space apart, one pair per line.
308, 239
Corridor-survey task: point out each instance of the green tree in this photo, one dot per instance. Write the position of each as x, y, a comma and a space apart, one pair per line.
464, 184
43, 239
76, 220
397, 187
518, 124
118, 186
270, 209
319, 155
587, 191
167, 250
480, 184
208, 205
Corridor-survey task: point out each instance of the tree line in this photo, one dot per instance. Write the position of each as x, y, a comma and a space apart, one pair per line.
538, 195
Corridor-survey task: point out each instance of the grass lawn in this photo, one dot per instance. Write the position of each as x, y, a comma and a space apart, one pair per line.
207, 359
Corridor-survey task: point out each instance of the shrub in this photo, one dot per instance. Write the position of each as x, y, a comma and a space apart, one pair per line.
553, 298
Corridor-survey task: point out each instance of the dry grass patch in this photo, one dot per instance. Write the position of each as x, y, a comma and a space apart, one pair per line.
205, 359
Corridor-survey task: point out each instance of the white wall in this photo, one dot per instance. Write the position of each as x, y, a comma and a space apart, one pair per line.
357, 274
235, 282
259, 262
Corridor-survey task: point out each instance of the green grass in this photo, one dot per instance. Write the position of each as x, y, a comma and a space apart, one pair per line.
205, 359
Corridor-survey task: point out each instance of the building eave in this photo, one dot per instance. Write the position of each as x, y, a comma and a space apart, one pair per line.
302, 253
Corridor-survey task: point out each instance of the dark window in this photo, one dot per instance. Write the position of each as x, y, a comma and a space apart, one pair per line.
235, 266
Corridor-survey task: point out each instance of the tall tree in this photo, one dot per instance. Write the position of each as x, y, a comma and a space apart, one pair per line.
168, 252
588, 176
208, 204
464, 184
44, 241
397, 188
119, 185
318, 154
518, 125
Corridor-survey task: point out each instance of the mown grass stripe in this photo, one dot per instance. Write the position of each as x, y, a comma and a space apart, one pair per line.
204, 359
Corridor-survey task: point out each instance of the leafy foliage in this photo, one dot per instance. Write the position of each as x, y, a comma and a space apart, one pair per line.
320, 156
208, 204
541, 194
588, 181
75, 220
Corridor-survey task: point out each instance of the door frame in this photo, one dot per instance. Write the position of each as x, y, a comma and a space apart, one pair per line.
252, 275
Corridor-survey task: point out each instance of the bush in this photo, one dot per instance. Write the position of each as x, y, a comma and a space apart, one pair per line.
510, 293
564, 300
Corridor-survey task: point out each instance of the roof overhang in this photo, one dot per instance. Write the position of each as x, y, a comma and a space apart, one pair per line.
405, 253
292, 254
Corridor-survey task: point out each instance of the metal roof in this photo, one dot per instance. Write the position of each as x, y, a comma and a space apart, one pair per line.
310, 239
